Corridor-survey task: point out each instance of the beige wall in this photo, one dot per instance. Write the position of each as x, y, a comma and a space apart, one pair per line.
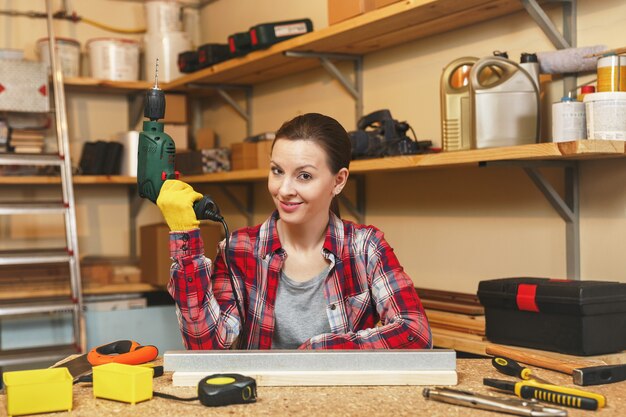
450, 227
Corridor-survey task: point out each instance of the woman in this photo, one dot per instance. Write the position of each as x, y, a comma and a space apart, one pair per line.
306, 279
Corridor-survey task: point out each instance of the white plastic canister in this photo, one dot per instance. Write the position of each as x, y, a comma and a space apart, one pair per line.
114, 59
163, 16
568, 120
68, 53
606, 115
165, 47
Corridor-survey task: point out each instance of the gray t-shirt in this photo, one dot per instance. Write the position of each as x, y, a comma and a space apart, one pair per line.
299, 311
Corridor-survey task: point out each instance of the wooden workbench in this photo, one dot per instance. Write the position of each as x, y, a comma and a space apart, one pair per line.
331, 401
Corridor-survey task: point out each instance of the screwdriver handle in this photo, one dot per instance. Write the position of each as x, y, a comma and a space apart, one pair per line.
570, 397
510, 367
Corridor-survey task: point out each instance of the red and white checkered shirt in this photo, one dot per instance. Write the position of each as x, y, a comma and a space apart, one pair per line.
365, 284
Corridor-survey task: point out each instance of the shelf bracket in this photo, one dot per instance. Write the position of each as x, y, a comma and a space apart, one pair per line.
568, 206
355, 89
357, 209
221, 89
135, 203
136, 103
564, 40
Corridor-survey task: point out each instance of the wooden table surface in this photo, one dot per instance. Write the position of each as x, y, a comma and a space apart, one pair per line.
331, 401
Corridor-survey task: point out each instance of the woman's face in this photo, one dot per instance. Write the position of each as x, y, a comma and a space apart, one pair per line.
301, 182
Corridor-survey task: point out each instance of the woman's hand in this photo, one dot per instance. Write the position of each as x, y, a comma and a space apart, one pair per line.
176, 200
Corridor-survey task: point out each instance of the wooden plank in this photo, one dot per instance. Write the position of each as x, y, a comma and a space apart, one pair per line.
94, 85
456, 320
458, 342
331, 378
448, 296
457, 329
453, 307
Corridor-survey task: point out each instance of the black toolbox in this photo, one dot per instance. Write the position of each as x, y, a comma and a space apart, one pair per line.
573, 317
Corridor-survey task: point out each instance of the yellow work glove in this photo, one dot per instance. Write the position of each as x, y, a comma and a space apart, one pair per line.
176, 200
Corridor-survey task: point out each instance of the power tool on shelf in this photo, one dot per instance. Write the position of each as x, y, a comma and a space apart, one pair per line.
156, 164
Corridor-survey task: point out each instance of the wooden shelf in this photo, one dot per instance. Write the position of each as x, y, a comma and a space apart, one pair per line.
577, 150
94, 85
78, 180
376, 30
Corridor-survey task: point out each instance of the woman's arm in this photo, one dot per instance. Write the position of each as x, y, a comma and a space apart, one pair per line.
207, 314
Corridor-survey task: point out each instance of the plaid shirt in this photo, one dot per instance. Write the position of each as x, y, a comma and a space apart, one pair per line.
366, 284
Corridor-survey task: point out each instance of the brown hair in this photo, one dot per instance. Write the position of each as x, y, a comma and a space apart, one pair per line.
328, 134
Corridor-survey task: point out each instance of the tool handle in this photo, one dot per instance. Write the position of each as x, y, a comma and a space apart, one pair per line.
567, 397
563, 365
128, 352
570, 397
510, 367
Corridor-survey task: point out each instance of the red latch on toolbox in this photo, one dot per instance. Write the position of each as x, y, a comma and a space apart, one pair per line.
526, 297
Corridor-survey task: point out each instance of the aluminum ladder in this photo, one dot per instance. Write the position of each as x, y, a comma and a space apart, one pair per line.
72, 302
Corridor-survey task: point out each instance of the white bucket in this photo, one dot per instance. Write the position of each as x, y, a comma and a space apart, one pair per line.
606, 115
165, 47
163, 16
11, 54
68, 53
114, 59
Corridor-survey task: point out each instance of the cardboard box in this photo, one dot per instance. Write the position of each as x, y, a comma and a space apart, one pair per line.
205, 138
155, 258
180, 135
340, 10
189, 162
251, 155
24, 86
382, 3
175, 108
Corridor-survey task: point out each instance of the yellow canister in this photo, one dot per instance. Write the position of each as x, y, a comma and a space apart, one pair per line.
611, 69
38, 391
120, 382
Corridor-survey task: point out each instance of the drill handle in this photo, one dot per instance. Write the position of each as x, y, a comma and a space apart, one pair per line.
206, 209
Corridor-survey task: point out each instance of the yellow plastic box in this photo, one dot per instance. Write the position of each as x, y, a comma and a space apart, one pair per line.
38, 391
119, 382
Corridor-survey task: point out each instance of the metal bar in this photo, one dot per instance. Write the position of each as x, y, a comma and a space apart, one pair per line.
136, 103
245, 114
135, 203
318, 55
572, 229
358, 81
357, 209
20, 159
312, 360
355, 89
543, 21
80, 338
551, 195
570, 34
569, 210
244, 208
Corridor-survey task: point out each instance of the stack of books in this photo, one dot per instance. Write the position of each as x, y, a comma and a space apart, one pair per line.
27, 141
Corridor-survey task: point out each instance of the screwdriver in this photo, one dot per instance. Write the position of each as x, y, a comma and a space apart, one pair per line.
512, 368
569, 397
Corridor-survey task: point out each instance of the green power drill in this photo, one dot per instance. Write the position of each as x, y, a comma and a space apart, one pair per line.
156, 155
156, 164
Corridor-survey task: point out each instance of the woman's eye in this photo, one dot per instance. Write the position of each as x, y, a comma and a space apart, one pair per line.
305, 176
275, 170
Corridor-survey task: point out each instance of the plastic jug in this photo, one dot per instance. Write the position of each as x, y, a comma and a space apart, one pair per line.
504, 104
456, 133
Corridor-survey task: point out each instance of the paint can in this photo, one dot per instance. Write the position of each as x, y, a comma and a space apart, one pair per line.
114, 59
568, 120
612, 73
606, 115
68, 54
165, 47
163, 16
